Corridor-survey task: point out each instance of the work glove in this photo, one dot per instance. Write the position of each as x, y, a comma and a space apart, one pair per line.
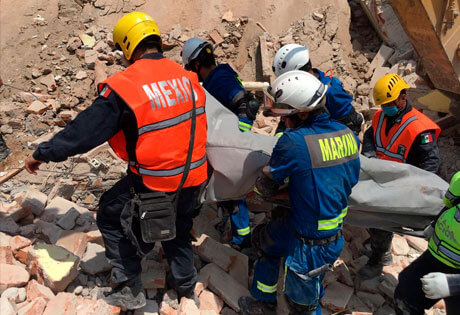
435, 285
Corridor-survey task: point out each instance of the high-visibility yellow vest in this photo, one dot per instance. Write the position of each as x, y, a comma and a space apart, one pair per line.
445, 242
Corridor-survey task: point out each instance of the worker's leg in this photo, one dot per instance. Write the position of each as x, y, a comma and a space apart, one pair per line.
304, 294
409, 296
179, 251
241, 229
272, 240
381, 253
452, 305
120, 251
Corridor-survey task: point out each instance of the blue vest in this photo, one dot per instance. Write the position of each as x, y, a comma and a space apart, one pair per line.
320, 160
338, 102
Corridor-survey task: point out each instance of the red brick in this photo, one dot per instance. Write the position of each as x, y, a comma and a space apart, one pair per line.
35, 289
223, 285
216, 38
337, 296
13, 210
225, 257
210, 302
23, 254
17, 242
399, 246
34, 201
12, 276
35, 307
6, 255
54, 266
201, 285
62, 304
188, 307
165, 309
74, 242
99, 307
417, 243
95, 237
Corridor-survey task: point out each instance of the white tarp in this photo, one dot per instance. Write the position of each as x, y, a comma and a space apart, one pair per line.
388, 195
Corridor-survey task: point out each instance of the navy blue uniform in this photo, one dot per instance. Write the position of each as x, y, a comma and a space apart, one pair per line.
224, 84
320, 160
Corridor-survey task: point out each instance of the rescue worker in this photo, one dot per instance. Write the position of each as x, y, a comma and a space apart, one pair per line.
146, 114
319, 158
402, 134
4, 151
436, 273
222, 82
296, 57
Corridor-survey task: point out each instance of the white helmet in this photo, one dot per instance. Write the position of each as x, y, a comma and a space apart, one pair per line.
290, 57
192, 49
296, 91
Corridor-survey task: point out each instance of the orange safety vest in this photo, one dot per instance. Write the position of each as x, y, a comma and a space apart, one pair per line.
158, 92
396, 145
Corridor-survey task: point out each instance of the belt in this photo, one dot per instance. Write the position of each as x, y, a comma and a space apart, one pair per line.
322, 241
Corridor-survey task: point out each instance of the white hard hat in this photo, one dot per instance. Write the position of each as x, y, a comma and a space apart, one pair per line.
296, 91
192, 49
290, 57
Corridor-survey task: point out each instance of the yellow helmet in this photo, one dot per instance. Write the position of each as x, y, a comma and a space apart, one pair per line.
131, 29
388, 88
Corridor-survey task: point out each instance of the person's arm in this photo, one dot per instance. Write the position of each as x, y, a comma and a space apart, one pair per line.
454, 284
424, 152
368, 144
280, 166
92, 127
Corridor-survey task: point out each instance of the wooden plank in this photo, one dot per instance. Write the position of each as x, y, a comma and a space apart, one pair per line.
421, 32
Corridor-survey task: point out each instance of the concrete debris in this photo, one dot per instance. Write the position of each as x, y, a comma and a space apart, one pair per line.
94, 260
87, 41
74, 242
53, 266
67, 221
34, 201
15, 295
37, 107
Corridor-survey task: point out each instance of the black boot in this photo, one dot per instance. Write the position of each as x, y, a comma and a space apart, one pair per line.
129, 295
374, 267
250, 306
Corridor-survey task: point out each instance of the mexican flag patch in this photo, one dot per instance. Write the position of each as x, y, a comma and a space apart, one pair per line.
105, 92
427, 138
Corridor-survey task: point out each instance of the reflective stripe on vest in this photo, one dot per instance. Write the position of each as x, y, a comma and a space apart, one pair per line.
160, 92
396, 145
170, 122
454, 257
244, 126
172, 172
244, 231
324, 225
386, 150
267, 288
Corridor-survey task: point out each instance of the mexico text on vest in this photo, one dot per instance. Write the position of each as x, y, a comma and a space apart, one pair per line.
169, 92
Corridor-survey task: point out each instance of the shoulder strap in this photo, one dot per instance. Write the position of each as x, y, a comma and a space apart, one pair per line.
191, 142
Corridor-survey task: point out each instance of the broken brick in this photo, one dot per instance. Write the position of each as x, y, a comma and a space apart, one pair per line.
62, 304
99, 307
225, 286
34, 201
371, 299
399, 246
37, 107
6, 253
35, 290
216, 38
388, 285
165, 309
12, 276
94, 260
54, 266
337, 296
13, 210
210, 302
74, 242
417, 243
35, 307
18, 242
23, 254
95, 237
67, 221
188, 307
58, 207
49, 231
225, 257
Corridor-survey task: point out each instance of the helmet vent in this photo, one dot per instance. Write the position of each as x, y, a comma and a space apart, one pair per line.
283, 65
127, 46
278, 93
125, 39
